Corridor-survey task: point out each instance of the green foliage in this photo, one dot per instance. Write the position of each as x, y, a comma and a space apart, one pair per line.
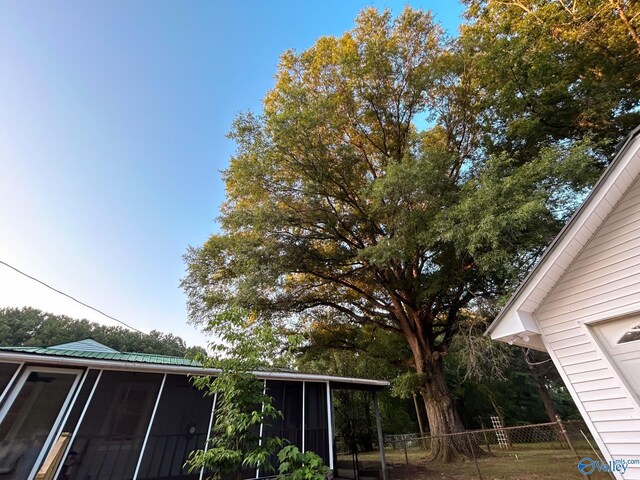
32, 327
513, 395
407, 384
548, 71
295, 465
241, 400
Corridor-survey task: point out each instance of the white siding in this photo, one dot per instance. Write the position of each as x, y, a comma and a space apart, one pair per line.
602, 282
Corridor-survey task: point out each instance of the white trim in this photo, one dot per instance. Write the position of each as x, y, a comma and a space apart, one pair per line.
264, 392
206, 445
330, 425
10, 356
304, 397
578, 402
10, 384
16, 391
75, 397
68, 413
146, 435
80, 419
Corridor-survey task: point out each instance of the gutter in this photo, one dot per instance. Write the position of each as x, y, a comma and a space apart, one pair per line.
175, 369
620, 150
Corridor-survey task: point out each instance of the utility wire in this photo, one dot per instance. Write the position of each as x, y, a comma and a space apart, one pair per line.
72, 298
84, 304
526, 359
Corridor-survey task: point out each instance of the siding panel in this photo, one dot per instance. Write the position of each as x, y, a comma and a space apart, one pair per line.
613, 414
606, 394
585, 367
596, 385
591, 375
620, 437
625, 288
618, 426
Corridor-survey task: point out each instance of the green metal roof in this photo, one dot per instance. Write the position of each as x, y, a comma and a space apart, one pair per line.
115, 356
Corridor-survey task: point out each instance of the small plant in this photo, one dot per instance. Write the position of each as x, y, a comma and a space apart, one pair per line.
296, 465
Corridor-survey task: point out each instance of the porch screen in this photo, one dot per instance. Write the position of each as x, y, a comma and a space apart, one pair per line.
287, 398
179, 427
6, 374
316, 420
109, 441
81, 401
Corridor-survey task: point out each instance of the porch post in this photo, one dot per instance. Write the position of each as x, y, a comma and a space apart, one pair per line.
330, 425
264, 392
206, 444
380, 438
146, 436
304, 422
10, 384
80, 419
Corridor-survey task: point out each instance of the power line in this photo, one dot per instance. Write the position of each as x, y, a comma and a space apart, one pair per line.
72, 298
86, 305
526, 359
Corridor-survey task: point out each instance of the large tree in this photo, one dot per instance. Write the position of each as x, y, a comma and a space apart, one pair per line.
364, 195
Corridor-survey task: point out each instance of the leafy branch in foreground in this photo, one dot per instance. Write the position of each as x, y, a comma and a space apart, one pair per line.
297, 465
242, 404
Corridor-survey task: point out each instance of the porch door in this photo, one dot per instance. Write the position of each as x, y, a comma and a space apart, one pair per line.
621, 339
29, 418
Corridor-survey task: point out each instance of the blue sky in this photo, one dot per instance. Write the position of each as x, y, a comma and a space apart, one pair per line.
113, 118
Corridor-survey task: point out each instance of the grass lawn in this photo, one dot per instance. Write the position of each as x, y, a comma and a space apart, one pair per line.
523, 462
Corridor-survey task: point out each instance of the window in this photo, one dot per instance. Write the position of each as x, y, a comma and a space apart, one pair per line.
631, 335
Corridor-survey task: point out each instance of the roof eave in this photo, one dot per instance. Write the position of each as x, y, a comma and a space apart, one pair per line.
21, 357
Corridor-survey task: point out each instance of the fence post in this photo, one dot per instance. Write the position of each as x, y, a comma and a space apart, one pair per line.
473, 453
565, 435
406, 455
484, 433
568, 440
385, 476
415, 403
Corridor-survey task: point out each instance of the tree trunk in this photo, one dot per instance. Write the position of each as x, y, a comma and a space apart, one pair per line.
442, 415
549, 407
444, 419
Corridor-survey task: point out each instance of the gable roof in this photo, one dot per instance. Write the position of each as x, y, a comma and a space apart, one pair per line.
86, 345
515, 322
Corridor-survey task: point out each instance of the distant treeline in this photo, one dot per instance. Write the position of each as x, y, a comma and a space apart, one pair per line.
32, 327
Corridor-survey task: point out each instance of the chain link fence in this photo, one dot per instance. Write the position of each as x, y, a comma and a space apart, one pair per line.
546, 451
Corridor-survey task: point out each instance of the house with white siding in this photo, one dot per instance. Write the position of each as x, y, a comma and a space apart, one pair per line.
581, 304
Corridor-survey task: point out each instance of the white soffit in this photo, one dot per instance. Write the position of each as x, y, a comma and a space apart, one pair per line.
516, 318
